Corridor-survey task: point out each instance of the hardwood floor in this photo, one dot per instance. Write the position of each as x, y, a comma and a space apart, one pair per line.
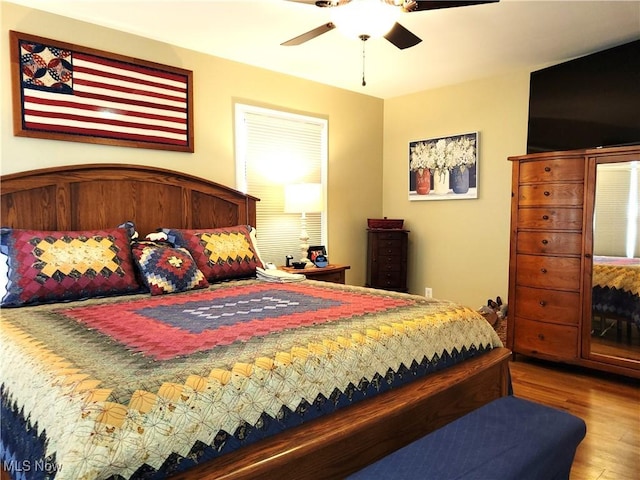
610, 406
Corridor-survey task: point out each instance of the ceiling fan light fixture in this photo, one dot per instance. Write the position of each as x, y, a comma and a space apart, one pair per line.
370, 18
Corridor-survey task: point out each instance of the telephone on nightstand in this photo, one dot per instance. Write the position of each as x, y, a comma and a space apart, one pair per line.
288, 258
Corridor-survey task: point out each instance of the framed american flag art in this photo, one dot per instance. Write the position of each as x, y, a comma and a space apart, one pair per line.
67, 92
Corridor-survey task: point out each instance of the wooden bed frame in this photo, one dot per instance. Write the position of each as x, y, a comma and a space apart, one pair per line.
105, 195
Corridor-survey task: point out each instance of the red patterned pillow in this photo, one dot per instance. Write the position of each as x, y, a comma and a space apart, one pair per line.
220, 253
167, 269
67, 265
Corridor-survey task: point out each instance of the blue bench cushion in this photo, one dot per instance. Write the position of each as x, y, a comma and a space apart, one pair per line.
509, 438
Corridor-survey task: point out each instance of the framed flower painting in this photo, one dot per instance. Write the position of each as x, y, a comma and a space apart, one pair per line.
444, 168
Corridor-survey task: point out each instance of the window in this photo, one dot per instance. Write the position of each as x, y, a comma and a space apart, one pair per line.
274, 149
616, 215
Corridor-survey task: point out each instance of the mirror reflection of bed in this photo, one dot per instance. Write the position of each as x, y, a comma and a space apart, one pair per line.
616, 262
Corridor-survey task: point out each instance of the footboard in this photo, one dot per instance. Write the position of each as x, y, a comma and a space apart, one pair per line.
341, 443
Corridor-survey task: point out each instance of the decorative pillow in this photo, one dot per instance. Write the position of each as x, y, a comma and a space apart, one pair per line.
4, 274
67, 265
4, 261
220, 253
167, 269
130, 227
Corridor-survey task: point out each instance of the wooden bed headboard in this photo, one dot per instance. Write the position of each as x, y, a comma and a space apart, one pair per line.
93, 196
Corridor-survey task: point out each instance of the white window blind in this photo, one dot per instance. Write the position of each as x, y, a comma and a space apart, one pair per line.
616, 222
274, 149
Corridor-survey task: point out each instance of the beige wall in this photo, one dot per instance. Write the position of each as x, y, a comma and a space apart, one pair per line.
355, 124
460, 248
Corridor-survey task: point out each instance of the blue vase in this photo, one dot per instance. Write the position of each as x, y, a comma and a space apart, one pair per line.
460, 180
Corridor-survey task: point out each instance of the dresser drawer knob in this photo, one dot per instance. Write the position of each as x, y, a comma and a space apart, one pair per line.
541, 336
545, 217
545, 241
543, 270
542, 303
547, 193
547, 169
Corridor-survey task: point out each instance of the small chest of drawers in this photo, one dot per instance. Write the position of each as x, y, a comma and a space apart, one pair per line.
387, 259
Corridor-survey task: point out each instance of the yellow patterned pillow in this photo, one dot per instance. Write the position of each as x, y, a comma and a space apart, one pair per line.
220, 253
53, 266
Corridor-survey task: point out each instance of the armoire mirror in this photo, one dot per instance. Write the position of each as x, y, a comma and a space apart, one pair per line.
615, 297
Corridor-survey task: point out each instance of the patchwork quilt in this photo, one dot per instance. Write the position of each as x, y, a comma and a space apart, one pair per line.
616, 287
143, 386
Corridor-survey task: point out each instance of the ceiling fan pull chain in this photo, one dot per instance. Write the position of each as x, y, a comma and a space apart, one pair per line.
364, 38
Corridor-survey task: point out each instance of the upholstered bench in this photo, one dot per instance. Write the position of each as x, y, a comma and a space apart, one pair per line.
509, 438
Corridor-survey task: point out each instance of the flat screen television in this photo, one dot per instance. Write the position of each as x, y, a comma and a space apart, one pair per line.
591, 101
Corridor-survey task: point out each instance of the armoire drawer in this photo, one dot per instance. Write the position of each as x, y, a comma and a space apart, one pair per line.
558, 170
389, 264
550, 218
390, 235
546, 339
388, 279
558, 243
541, 271
566, 194
553, 306
389, 247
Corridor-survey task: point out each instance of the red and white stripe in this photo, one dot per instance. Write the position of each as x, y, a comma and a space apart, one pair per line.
115, 100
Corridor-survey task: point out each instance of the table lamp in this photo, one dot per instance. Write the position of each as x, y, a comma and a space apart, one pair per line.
303, 198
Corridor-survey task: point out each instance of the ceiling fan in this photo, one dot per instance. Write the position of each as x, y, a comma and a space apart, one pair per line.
385, 9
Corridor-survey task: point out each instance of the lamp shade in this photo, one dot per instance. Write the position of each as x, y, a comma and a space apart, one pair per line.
371, 18
303, 198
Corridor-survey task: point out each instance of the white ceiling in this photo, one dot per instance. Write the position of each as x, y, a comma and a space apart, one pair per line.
459, 44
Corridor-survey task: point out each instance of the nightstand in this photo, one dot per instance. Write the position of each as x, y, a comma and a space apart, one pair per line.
331, 273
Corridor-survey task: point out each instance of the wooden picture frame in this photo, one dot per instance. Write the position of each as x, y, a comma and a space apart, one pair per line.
63, 91
313, 252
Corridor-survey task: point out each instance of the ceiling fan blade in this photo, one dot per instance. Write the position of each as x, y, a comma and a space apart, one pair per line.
311, 34
434, 5
401, 37
322, 3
